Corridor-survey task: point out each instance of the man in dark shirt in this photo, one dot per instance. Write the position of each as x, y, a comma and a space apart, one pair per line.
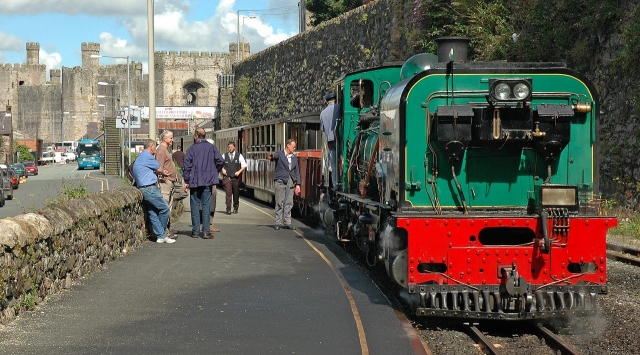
201, 165
287, 182
178, 157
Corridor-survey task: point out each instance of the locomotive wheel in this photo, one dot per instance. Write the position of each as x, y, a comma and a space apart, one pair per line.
327, 219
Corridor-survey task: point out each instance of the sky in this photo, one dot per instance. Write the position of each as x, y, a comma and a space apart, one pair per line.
120, 27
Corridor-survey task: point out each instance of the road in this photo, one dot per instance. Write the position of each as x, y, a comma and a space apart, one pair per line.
33, 194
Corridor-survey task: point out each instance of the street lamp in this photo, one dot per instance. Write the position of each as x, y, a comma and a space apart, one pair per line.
238, 32
242, 33
128, 99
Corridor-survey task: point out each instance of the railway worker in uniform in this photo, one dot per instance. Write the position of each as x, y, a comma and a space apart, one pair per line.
287, 182
328, 121
201, 165
145, 169
163, 156
178, 157
234, 165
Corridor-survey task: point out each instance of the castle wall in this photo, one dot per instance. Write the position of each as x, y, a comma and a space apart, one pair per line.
178, 71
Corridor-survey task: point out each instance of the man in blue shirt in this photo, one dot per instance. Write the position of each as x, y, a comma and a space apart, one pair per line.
202, 163
328, 120
145, 169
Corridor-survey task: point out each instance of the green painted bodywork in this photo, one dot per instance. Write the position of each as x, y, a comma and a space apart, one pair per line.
490, 177
497, 176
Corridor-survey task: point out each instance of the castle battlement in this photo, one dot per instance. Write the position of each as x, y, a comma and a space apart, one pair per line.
191, 54
90, 46
33, 46
19, 66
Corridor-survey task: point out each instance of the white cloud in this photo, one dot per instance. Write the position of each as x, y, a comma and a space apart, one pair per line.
11, 43
175, 28
51, 60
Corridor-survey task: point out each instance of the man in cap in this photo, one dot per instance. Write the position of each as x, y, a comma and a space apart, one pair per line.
328, 120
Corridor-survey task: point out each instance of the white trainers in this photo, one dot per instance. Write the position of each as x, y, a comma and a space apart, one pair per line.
165, 240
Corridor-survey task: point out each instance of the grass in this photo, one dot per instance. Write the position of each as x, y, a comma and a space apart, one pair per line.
628, 224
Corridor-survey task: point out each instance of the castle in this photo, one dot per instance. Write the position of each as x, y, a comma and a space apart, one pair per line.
67, 106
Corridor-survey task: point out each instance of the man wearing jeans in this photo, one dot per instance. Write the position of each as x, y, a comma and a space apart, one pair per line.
201, 165
145, 169
287, 182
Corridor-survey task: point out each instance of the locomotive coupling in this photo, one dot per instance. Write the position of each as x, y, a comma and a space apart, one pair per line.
511, 282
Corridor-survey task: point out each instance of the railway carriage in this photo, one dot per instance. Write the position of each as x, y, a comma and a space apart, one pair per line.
261, 139
474, 184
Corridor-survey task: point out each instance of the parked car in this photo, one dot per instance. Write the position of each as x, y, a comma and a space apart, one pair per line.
20, 169
7, 186
15, 180
32, 168
70, 156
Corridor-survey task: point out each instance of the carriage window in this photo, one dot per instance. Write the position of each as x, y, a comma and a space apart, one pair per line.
361, 93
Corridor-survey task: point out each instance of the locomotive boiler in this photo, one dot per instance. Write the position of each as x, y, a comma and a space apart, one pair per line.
474, 184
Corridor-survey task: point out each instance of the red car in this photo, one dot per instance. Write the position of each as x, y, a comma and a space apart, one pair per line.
13, 176
32, 168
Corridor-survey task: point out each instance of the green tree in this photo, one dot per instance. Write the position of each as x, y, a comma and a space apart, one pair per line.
25, 152
324, 10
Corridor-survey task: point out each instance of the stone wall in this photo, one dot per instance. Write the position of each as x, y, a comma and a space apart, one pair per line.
293, 76
45, 251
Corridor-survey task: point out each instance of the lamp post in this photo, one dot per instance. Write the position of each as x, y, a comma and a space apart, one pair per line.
238, 32
242, 33
128, 99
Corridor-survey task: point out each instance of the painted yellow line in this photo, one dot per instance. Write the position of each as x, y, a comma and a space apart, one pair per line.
103, 181
354, 309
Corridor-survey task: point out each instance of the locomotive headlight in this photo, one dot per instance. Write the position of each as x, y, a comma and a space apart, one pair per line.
521, 91
511, 90
502, 91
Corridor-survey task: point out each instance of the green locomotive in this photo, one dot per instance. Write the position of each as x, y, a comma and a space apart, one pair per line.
475, 183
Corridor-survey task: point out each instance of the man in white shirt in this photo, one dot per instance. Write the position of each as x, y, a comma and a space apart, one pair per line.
234, 165
328, 121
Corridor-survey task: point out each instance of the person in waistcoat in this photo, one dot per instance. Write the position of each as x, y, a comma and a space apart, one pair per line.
286, 176
234, 165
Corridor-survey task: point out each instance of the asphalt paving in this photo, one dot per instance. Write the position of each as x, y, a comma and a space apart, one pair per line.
251, 290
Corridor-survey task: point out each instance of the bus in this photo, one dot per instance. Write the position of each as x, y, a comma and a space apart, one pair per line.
68, 146
88, 154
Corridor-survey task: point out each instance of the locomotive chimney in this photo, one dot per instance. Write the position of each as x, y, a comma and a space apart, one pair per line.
458, 46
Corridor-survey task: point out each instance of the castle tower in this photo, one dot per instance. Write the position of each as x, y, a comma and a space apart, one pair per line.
33, 53
55, 76
89, 49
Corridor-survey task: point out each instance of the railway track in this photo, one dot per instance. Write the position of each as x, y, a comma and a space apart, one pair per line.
488, 344
623, 254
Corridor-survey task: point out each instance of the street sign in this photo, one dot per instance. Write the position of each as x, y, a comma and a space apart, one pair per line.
123, 120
